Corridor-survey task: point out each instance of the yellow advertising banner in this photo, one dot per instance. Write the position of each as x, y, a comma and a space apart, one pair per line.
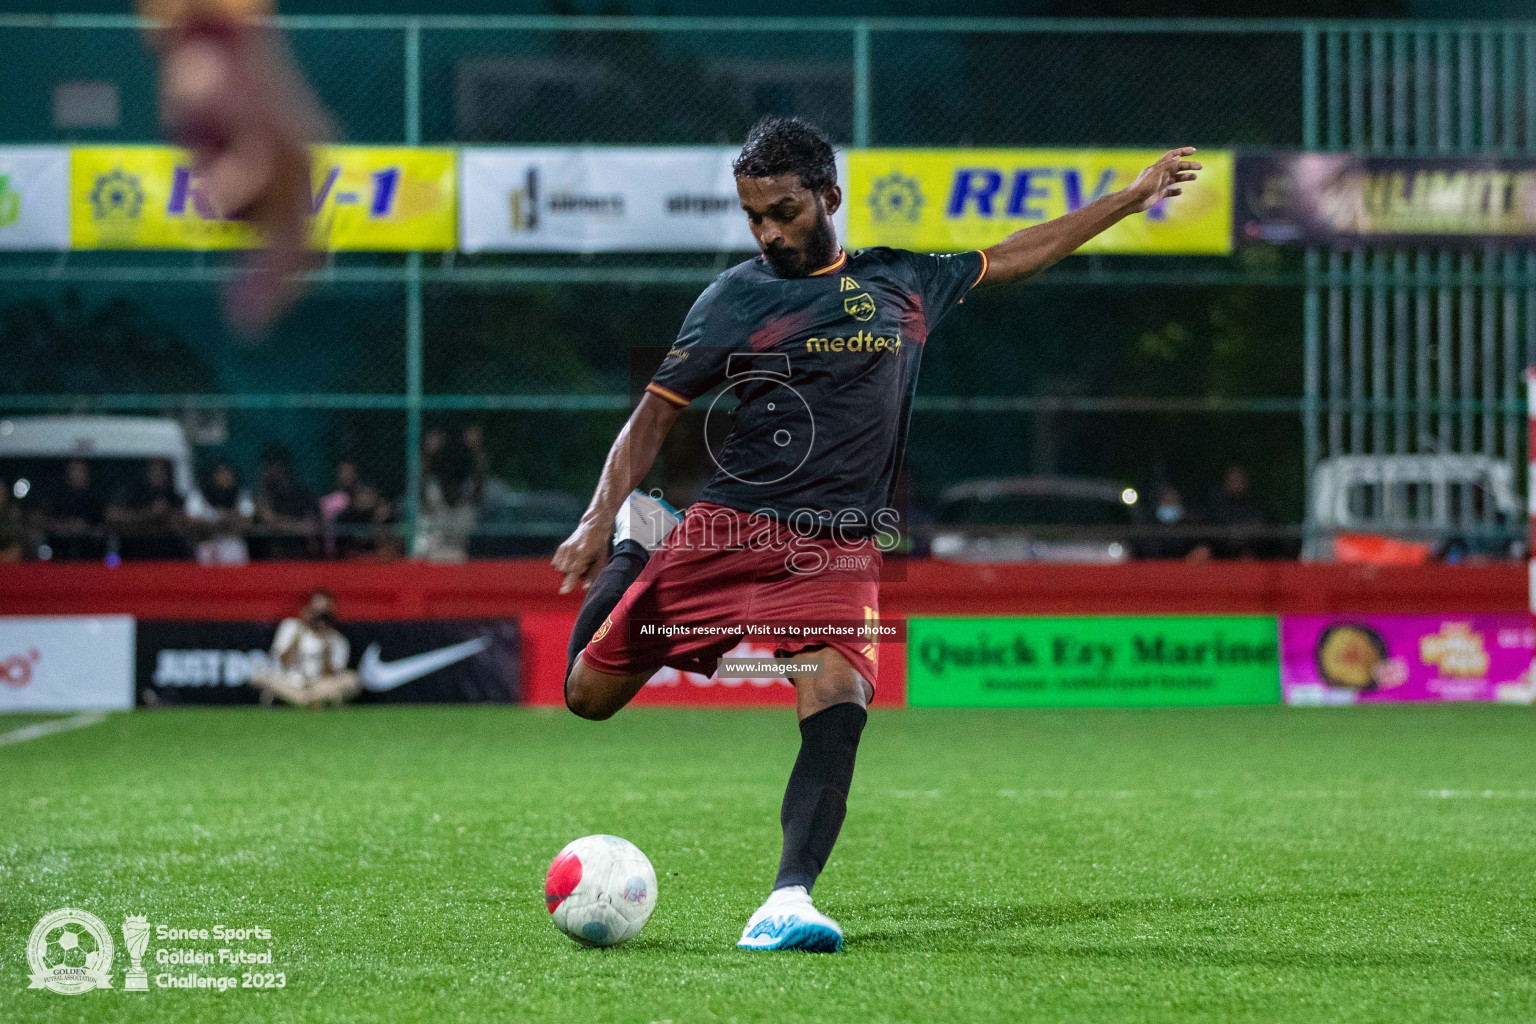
953, 200
364, 198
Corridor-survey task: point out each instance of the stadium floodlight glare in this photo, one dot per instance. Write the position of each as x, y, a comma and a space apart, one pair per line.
1129, 496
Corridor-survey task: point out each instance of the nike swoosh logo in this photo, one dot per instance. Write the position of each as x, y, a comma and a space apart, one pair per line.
378, 675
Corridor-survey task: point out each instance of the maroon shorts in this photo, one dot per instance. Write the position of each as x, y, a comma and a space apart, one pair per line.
724, 576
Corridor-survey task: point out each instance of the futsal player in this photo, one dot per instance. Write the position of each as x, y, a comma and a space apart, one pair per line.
822, 347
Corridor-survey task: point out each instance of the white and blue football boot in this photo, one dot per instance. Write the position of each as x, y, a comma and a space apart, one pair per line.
644, 519
787, 920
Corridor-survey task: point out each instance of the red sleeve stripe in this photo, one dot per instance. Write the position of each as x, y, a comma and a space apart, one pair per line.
670, 396
985, 263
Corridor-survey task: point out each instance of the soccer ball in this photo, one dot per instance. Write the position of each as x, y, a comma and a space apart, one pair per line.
600, 890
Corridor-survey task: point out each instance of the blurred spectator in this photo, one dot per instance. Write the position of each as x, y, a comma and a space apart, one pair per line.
365, 528
338, 501
151, 519
346, 487
433, 441
473, 440
286, 513
453, 481
1233, 506
10, 526
1172, 514
358, 521
226, 511
309, 659
74, 520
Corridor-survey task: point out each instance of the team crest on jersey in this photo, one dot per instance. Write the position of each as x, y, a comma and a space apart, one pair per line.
861, 307
602, 630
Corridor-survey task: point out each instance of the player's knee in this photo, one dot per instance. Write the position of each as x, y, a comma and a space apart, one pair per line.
842, 684
585, 700
852, 690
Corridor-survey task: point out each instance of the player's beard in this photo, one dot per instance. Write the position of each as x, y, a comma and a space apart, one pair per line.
820, 246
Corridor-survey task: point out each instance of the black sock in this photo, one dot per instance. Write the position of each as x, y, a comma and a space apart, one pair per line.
612, 580
817, 795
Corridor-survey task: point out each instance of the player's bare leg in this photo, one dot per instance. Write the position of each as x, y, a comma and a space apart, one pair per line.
596, 695
641, 526
831, 711
838, 683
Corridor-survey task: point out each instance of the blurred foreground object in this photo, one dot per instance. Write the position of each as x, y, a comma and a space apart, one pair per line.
231, 94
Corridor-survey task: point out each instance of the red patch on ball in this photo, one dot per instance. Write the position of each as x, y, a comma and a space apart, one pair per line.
564, 874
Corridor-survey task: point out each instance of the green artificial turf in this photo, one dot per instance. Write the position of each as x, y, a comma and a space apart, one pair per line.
17, 720
1263, 864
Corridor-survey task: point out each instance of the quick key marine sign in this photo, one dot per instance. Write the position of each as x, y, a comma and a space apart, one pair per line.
1092, 661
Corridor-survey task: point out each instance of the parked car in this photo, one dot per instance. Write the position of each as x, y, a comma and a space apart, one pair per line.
34, 449
35, 452
1451, 506
1035, 519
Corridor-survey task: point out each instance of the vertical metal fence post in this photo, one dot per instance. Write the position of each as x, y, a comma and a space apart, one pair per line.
861, 85
413, 312
1311, 302
1312, 385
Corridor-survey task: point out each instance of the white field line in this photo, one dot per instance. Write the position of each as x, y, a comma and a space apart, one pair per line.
32, 732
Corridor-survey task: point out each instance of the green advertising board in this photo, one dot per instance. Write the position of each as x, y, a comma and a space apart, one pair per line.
1092, 661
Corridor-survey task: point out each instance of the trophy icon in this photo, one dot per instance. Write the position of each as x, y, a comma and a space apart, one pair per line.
136, 938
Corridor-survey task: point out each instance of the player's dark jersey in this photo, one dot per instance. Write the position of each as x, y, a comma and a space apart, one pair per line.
823, 369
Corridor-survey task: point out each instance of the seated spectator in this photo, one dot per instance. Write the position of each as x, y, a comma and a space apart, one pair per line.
338, 501
225, 513
151, 519
473, 442
10, 526
74, 520
453, 480
346, 486
1170, 539
1233, 506
309, 659
365, 528
287, 516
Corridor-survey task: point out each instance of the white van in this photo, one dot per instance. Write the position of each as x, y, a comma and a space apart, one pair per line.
34, 449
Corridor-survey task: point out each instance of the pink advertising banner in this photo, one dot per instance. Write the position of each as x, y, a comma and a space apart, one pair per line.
1349, 659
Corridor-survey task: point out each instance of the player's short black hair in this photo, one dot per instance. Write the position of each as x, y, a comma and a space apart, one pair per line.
787, 145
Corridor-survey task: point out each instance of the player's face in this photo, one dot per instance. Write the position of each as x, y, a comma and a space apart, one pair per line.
792, 224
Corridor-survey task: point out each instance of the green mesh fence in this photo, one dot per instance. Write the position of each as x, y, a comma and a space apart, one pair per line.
1139, 370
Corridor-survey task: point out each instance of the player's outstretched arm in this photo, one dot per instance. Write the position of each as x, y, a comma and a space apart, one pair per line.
585, 551
1030, 251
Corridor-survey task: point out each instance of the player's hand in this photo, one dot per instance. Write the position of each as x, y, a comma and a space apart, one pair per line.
582, 555
1162, 179
231, 94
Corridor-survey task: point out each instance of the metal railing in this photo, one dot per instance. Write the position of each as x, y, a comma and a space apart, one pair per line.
1380, 87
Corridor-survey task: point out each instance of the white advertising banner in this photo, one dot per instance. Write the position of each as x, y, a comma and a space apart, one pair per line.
34, 197
67, 663
667, 199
